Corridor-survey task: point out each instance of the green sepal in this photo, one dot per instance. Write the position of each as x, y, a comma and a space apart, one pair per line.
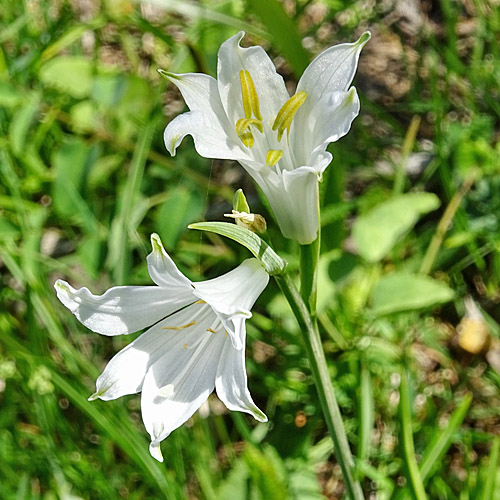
271, 261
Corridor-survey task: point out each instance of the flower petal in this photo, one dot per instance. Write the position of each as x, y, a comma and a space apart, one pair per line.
162, 268
210, 140
332, 70
207, 122
293, 196
233, 294
178, 383
125, 373
231, 382
122, 309
270, 87
328, 121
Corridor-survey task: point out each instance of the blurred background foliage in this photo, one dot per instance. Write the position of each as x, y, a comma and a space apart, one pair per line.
409, 277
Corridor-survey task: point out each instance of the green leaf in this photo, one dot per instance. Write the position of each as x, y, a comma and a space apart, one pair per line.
84, 116
284, 31
71, 164
405, 292
235, 486
491, 475
376, 232
20, 126
272, 262
444, 438
180, 208
267, 471
69, 74
9, 96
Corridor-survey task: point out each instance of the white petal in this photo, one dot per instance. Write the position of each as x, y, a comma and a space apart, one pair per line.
125, 373
210, 140
269, 85
122, 309
231, 382
207, 122
293, 196
162, 268
233, 294
329, 120
332, 70
179, 382
201, 94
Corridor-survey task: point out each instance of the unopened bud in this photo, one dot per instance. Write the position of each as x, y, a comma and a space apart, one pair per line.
473, 331
254, 222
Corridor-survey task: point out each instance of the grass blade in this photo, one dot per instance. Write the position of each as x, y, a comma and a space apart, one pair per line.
414, 477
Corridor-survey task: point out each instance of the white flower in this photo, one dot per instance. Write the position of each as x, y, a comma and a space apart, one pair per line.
195, 343
247, 115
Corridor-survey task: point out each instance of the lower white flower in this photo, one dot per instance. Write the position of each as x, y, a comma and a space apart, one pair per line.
195, 343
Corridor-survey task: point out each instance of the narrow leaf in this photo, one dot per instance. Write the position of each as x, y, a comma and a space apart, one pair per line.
272, 262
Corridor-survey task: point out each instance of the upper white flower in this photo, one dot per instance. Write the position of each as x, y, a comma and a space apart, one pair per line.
247, 115
195, 343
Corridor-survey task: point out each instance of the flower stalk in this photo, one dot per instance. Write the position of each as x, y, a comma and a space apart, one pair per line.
319, 367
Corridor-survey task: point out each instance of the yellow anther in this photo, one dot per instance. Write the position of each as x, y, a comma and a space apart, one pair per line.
243, 129
179, 327
185, 346
211, 331
245, 123
287, 112
273, 156
247, 139
200, 302
249, 95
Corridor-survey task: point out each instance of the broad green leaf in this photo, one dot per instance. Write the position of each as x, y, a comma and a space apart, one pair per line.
377, 231
69, 74
405, 292
272, 262
84, 116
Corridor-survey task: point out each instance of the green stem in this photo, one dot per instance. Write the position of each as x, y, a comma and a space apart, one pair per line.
309, 257
323, 382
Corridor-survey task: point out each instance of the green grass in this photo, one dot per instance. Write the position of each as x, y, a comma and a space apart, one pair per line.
85, 178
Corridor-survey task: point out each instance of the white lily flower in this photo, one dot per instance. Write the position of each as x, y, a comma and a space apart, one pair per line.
247, 115
195, 343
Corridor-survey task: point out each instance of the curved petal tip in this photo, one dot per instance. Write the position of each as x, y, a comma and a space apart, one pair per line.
155, 450
364, 38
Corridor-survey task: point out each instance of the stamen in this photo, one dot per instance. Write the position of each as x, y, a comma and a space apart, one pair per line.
273, 156
179, 327
243, 130
200, 302
245, 123
211, 331
287, 112
249, 95
185, 346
